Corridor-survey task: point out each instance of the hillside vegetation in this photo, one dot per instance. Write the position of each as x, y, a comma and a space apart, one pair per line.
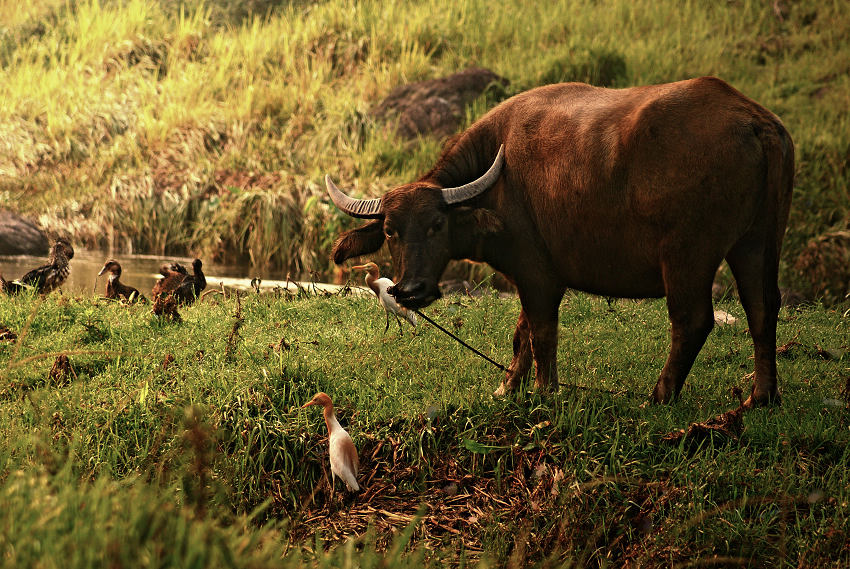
129, 441
207, 127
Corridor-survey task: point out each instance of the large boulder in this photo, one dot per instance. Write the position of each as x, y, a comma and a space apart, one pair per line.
20, 236
824, 265
438, 106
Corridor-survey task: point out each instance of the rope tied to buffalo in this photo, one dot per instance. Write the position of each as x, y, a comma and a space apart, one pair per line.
462, 343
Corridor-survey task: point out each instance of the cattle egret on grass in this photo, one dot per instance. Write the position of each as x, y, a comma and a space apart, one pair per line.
343, 454
379, 286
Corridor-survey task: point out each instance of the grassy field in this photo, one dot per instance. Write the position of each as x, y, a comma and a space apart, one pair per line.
206, 127
163, 444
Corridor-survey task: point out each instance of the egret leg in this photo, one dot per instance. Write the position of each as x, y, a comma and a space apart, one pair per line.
387, 327
400, 330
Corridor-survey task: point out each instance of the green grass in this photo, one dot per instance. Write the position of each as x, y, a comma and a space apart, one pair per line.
181, 444
174, 127
207, 127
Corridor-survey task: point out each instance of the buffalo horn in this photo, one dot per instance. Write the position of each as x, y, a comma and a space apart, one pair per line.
366, 209
472, 189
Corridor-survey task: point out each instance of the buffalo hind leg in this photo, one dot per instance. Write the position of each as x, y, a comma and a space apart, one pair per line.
521, 362
691, 319
758, 289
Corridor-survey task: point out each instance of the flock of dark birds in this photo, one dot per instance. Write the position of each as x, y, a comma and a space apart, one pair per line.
176, 283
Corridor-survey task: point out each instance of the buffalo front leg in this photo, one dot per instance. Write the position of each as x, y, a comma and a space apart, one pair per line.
521, 362
536, 337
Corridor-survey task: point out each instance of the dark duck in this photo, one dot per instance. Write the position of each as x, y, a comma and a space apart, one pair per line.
179, 283
115, 289
47, 277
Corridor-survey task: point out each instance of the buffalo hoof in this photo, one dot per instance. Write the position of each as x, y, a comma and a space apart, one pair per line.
660, 395
754, 400
506, 387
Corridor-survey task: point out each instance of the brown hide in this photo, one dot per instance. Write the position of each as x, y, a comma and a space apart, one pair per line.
637, 192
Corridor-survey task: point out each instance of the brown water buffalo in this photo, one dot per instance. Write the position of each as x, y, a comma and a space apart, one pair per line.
638, 192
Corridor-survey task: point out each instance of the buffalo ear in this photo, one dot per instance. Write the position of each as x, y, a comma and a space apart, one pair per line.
480, 220
360, 241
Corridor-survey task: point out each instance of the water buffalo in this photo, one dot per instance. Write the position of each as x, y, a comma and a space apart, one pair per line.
638, 192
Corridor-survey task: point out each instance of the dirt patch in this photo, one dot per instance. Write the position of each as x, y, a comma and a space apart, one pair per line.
437, 107
794, 349
139, 51
461, 508
726, 427
225, 179
7, 335
545, 513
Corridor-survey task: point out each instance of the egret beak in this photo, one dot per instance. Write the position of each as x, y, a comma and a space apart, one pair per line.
101, 270
311, 402
360, 267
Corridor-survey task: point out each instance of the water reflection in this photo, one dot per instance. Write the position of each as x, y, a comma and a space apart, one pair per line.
140, 271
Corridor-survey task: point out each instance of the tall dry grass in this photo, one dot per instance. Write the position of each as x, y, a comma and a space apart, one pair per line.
121, 123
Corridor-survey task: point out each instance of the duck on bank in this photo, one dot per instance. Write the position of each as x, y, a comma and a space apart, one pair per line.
177, 282
46, 278
115, 289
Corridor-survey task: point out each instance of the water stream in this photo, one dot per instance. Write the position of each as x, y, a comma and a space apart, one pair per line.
142, 271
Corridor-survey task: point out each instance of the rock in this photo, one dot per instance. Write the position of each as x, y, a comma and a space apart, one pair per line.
824, 265
438, 106
20, 236
721, 317
791, 298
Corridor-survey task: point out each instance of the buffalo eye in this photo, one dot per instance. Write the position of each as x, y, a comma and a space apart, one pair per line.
389, 232
436, 225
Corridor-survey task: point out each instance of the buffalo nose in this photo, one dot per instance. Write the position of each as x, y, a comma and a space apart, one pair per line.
407, 289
